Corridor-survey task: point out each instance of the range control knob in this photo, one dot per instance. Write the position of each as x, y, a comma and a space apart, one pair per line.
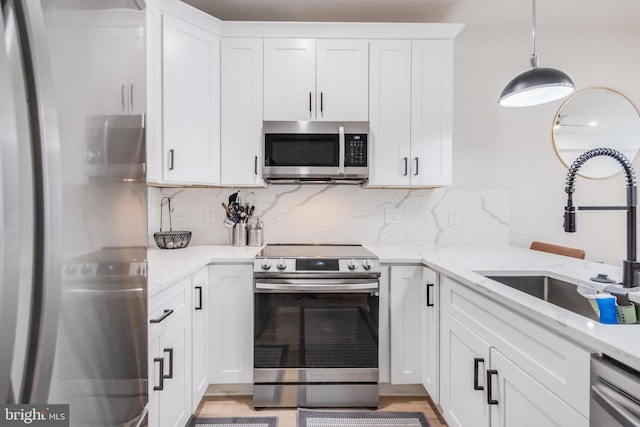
281, 264
366, 264
352, 264
85, 269
266, 264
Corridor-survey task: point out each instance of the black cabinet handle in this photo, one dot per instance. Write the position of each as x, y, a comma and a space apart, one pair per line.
490, 399
166, 314
476, 362
170, 351
321, 103
417, 166
429, 287
309, 103
199, 289
406, 165
171, 159
161, 361
255, 165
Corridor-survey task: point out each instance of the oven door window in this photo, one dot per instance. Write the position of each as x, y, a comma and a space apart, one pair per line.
316, 330
302, 150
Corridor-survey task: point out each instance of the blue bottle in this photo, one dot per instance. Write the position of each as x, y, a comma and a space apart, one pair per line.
607, 307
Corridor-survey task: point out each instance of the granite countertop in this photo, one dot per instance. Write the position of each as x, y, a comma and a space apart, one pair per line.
463, 264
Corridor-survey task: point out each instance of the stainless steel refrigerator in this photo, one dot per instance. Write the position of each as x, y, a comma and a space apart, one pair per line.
73, 208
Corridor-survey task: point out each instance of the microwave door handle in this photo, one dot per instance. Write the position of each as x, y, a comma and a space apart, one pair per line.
341, 150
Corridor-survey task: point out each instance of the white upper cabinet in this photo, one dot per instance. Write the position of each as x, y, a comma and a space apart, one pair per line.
342, 84
431, 112
122, 53
308, 79
241, 92
390, 112
191, 103
410, 94
289, 79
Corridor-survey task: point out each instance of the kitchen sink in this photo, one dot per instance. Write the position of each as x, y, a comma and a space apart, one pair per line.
556, 291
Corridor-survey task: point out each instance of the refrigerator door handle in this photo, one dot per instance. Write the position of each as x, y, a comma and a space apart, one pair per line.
10, 226
48, 217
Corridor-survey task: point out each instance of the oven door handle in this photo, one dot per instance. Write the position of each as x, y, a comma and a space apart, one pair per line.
615, 404
318, 286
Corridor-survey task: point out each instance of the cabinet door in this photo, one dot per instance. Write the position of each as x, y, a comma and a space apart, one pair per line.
137, 90
191, 102
231, 301
407, 295
289, 79
153, 130
464, 359
524, 402
200, 336
431, 112
108, 71
342, 92
175, 399
155, 355
389, 112
431, 335
242, 98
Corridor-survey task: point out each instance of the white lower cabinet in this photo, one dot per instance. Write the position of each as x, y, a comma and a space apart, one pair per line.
200, 341
431, 334
500, 369
406, 298
170, 356
231, 324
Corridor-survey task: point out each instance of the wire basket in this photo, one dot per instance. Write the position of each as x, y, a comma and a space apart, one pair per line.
171, 239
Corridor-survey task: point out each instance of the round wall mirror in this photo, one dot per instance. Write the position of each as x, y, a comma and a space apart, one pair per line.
593, 118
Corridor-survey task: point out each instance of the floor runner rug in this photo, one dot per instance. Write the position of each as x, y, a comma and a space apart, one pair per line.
233, 422
328, 418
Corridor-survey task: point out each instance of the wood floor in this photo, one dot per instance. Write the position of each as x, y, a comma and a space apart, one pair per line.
241, 406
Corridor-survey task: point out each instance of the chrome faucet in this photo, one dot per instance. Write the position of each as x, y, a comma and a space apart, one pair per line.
630, 266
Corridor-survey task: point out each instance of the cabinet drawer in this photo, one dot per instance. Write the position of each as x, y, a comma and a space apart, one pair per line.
169, 305
558, 364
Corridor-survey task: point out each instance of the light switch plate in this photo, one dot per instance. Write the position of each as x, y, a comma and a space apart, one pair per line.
392, 216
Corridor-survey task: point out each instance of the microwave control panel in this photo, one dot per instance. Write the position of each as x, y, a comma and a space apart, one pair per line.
355, 153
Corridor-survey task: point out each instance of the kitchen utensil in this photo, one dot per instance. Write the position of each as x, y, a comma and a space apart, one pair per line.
170, 239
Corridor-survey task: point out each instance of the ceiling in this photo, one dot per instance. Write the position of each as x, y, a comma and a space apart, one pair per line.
585, 14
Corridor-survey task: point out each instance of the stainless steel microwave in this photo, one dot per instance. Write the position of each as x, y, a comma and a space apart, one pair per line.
115, 147
315, 152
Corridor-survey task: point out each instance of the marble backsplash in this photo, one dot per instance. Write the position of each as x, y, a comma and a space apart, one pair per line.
342, 214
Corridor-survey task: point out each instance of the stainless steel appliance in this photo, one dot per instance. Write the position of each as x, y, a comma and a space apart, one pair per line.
316, 316
73, 315
315, 152
615, 394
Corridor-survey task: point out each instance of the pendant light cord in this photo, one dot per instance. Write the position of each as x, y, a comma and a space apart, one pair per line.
533, 58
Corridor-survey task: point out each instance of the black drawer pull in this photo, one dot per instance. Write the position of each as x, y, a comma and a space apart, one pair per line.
406, 166
199, 306
161, 361
166, 314
170, 351
429, 287
417, 167
171, 158
490, 399
476, 362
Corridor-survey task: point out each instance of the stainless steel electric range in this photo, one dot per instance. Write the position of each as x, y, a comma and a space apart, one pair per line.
316, 326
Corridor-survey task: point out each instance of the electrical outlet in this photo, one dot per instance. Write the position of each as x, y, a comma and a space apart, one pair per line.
454, 216
392, 216
211, 214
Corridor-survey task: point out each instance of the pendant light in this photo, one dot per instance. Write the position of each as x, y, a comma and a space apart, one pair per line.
538, 85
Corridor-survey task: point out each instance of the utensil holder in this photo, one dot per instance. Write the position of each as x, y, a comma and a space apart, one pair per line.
239, 234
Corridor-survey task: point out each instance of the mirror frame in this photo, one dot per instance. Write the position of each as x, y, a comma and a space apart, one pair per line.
562, 106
